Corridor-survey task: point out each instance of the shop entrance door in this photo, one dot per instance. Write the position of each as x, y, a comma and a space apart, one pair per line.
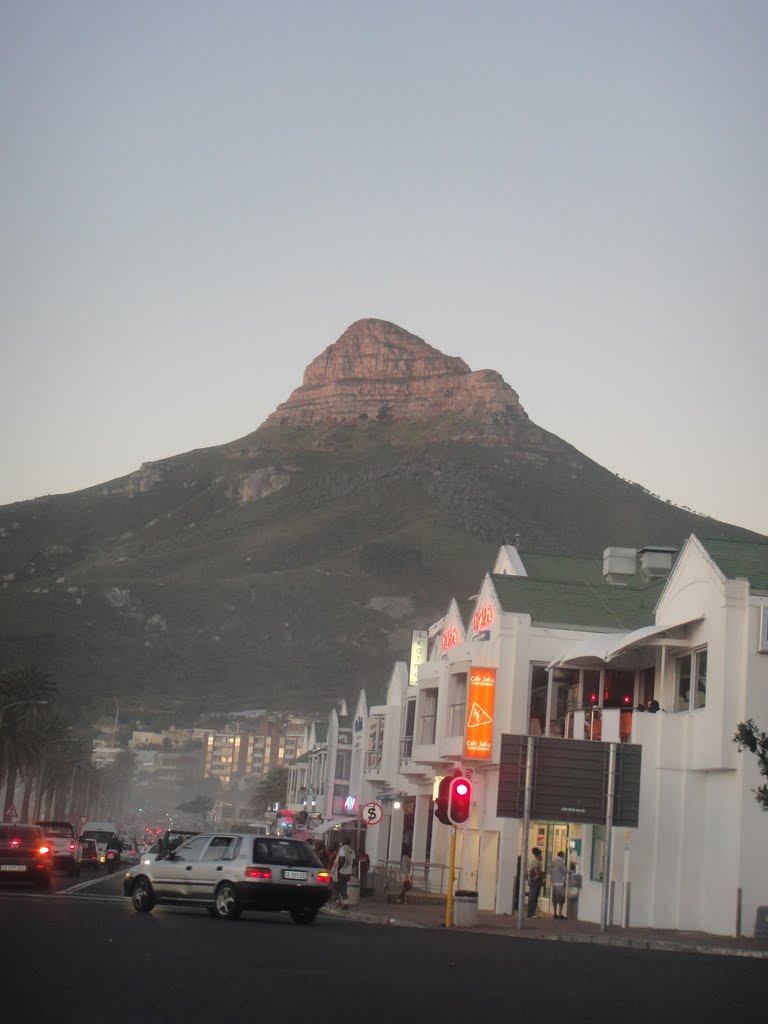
551, 838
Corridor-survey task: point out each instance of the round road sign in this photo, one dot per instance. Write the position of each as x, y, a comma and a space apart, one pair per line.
372, 813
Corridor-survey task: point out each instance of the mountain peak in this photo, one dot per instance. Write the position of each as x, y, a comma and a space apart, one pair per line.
379, 371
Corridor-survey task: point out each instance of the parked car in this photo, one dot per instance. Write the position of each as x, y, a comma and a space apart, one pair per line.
62, 838
229, 872
25, 855
90, 854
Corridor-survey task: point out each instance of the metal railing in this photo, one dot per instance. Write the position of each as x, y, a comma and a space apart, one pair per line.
386, 877
372, 760
406, 748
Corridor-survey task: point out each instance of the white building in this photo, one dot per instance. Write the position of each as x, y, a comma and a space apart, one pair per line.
566, 647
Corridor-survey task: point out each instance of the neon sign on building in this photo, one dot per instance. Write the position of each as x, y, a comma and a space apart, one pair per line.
483, 617
450, 638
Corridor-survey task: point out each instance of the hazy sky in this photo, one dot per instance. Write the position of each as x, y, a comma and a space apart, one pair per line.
198, 197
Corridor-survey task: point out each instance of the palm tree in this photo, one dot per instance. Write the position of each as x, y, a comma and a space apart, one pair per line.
22, 693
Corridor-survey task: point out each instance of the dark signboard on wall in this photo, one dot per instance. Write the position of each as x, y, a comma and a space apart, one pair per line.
569, 780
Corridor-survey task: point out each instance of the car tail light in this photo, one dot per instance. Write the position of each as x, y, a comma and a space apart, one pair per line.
72, 846
323, 876
44, 850
252, 872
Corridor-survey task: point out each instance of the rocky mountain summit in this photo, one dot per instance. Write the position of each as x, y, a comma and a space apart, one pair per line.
378, 371
287, 568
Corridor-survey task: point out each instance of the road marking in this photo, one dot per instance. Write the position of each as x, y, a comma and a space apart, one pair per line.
79, 886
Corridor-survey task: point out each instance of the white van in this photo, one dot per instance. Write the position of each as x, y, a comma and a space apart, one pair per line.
101, 832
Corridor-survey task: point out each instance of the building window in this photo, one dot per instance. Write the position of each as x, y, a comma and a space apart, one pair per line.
343, 763
458, 709
691, 681
553, 695
375, 743
700, 675
598, 853
427, 715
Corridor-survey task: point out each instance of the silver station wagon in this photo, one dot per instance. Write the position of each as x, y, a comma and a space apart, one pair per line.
229, 872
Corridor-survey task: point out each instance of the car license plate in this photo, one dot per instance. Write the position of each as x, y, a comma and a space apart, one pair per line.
13, 867
299, 876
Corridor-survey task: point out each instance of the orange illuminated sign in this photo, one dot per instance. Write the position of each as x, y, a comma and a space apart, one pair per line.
478, 735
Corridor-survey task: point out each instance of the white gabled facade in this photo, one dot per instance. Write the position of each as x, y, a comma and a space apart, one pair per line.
694, 862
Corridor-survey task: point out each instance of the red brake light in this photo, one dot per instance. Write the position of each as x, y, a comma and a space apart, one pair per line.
323, 876
251, 872
43, 850
15, 843
72, 846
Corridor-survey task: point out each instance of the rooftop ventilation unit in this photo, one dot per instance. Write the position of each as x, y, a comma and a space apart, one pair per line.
619, 565
656, 562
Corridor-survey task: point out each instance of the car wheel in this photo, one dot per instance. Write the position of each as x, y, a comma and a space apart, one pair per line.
226, 906
142, 895
303, 915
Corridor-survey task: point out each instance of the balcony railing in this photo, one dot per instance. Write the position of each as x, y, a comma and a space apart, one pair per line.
372, 760
406, 748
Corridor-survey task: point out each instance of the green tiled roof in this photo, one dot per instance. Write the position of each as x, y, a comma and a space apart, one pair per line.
321, 732
740, 559
577, 568
578, 605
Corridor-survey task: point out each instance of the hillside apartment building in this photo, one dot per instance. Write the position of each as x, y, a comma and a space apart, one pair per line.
571, 649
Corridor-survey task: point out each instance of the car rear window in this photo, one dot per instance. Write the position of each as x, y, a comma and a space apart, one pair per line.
284, 851
25, 831
54, 828
99, 837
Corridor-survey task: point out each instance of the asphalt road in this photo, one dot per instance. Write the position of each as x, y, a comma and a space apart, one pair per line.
85, 956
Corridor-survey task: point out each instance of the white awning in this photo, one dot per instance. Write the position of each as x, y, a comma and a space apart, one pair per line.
644, 637
598, 653
584, 655
332, 823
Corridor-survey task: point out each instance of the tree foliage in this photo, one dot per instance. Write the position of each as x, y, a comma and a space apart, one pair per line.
749, 737
201, 806
270, 790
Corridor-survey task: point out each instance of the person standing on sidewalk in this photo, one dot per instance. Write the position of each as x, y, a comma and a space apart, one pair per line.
406, 874
557, 873
535, 879
346, 863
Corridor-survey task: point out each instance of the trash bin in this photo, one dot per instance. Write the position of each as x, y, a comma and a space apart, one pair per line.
465, 908
353, 891
761, 923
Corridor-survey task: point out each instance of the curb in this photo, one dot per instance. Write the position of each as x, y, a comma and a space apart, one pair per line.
351, 915
662, 945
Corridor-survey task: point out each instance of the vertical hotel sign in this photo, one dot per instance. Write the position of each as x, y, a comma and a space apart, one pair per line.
419, 645
478, 735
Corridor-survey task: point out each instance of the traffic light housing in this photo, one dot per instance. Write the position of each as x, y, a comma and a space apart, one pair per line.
459, 800
441, 801
454, 800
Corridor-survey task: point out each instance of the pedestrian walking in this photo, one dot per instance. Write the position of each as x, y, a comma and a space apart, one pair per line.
535, 879
557, 875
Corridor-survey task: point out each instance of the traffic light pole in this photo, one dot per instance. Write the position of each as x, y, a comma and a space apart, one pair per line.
451, 865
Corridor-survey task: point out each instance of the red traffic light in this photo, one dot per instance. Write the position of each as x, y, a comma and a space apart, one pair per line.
459, 800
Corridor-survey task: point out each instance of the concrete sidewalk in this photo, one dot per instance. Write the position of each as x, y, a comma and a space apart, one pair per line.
375, 910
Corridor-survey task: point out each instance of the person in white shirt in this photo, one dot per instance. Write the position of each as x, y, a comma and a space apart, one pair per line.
557, 873
346, 862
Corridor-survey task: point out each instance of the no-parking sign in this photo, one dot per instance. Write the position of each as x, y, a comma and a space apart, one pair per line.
372, 813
